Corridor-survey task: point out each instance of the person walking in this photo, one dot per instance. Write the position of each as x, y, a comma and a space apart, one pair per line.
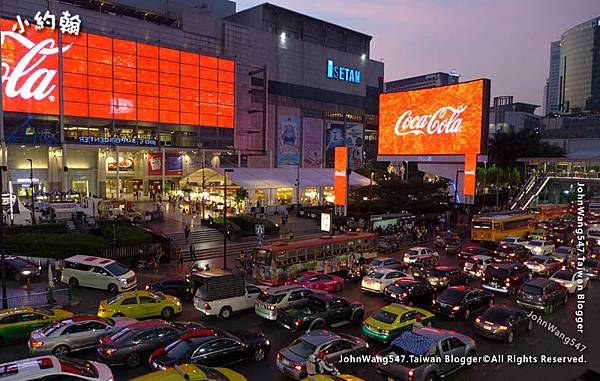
186, 231
192, 252
291, 235
179, 257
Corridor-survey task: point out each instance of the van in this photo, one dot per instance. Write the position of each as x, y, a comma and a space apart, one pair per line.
273, 298
97, 272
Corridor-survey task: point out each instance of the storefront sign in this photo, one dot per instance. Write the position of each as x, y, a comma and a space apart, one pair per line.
288, 143
342, 73
173, 165
68, 23
340, 176
335, 135
312, 142
116, 141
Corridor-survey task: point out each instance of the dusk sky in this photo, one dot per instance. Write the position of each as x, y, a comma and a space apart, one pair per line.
507, 41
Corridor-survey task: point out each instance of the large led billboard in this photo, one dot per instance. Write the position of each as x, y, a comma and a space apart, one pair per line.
448, 120
340, 173
104, 77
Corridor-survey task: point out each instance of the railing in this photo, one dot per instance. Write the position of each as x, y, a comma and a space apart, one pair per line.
60, 296
132, 251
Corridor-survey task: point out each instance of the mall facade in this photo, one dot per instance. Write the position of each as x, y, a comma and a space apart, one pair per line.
147, 101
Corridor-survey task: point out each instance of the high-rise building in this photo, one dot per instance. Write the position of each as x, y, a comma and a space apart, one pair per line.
552, 83
507, 115
422, 82
579, 83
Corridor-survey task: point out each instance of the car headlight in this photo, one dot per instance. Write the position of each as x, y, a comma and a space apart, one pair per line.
178, 303
26, 272
122, 280
267, 342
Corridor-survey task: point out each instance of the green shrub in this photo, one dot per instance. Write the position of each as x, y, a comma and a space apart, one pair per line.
233, 227
126, 235
40, 228
248, 224
54, 245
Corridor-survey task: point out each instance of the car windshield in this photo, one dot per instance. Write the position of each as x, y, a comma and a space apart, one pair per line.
377, 275
594, 233
537, 260
270, 299
181, 348
302, 348
564, 275
498, 273
437, 272
384, 316
78, 367
532, 290
19, 262
376, 263
496, 315
157, 295
536, 243
117, 269
302, 278
452, 295
115, 299
509, 240
412, 253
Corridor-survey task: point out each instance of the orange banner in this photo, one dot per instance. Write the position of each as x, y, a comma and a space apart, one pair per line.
470, 175
340, 170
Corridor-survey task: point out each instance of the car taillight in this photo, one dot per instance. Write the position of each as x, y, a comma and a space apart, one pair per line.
477, 320
271, 307
36, 344
404, 294
502, 328
298, 366
455, 308
411, 374
507, 282
297, 323
433, 301
207, 306
279, 356
109, 352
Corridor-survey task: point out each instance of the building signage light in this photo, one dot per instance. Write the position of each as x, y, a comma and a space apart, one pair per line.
115, 140
67, 23
342, 73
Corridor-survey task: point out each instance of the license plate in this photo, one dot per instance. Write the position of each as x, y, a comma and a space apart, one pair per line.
493, 284
443, 304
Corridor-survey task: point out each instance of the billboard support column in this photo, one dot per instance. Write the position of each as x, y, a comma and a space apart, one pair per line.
61, 114
340, 181
118, 181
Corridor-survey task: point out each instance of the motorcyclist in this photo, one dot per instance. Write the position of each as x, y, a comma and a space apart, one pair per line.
318, 365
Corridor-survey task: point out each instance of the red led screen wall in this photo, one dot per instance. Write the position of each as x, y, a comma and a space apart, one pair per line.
109, 78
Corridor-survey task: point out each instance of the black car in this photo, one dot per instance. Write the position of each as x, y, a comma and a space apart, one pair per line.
505, 277
453, 246
136, 342
20, 268
542, 294
471, 250
502, 322
561, 238
444, 276
410, 292
511, 252
212, 347
175, 286
462, 301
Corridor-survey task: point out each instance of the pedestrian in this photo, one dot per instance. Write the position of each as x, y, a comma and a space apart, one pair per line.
417, 324
186, 231
291, 235
192, 253
179, 257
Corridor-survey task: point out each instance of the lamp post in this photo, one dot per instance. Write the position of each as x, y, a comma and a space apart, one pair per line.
203, 184
225, 171
31, 186
2, 256
298, 190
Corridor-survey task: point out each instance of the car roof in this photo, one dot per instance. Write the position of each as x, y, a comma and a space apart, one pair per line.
383, 258
545, 257
34, 366
445, 268
90, 260
386, 270
418, 248
320, 336
19, 310
540, 240
396, 308
508, 265
539, 282
147, 324
435, 334
480, 256
283, 289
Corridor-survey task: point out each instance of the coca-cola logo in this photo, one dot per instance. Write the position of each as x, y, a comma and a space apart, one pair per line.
445, 120
340, 173
29, 78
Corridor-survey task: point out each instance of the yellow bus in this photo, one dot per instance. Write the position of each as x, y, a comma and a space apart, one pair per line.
493, 227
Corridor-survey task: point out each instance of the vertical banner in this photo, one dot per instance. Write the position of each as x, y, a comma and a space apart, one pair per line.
354, 142
470, 175
312, 143
288, 141
335, 138
173, 165
340, 182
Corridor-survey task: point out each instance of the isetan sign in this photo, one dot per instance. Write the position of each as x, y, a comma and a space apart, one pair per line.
342, 73
444, 120
340, 181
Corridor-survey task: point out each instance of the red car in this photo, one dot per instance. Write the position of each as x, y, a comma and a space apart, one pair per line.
325, 282
302, 277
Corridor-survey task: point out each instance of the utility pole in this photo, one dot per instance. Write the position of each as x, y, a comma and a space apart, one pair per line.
31, 187
225, 233
2, 254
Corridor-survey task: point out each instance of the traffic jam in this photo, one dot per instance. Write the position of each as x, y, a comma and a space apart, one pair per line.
328, 308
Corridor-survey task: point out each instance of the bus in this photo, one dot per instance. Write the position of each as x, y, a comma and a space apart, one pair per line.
275, 263
493, 227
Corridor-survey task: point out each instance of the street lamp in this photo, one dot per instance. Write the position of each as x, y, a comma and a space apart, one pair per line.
225, 171
31, 186
2, 257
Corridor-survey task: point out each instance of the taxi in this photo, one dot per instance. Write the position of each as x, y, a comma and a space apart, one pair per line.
17, 323
390, 321
140, 304
189, 372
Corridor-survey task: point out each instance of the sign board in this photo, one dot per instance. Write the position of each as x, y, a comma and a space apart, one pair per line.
326, 222
342, 73
259, 229
340, 176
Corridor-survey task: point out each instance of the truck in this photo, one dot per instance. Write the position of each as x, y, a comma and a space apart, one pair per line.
220, 292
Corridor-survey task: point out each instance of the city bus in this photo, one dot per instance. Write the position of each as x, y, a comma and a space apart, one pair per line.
275, 263
493, 227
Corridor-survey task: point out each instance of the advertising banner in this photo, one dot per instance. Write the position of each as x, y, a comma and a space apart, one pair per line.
470, 175
288, 141
340, 171
335, 137
312, 143
354, 142
125, 164
173, 166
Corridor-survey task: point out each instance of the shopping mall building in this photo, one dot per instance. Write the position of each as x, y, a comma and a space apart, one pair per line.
142, 101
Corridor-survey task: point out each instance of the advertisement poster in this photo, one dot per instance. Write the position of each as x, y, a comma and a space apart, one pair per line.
173, 167
125, 164
312, 139
354, 142
334, 138
288, 141
340, 182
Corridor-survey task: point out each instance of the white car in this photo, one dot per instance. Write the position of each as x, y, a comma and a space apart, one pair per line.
412, 255
225, 307
593, 233
54, 368
380, 279
570, 280
540, 247
517, 240
97, 272
475, 265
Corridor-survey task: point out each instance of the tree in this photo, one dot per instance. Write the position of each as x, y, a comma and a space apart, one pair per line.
241, 195
507, 147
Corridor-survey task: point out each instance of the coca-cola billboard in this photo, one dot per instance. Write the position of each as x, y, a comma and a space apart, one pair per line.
114, 79
448, 120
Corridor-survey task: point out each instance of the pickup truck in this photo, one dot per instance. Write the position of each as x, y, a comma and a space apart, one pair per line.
319, 311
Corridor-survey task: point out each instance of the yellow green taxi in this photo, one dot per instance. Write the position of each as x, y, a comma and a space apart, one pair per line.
189, 372
390, 321
17, 323
339, 377
140, 304
538, 234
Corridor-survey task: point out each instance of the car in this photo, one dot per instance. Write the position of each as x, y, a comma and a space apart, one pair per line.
571, 280
453, 246
542, 294
223, 307
74, 334
470, 250
567, 255
16, 324
424, 343
388, 322
273, 298
325, 282
593, 233
20, 268
301, 277
380, 279
500, 322
409, 292
543, 265
97, 272
337, 377
140, 304
591, 268
54, 368
537, 234
514, 240
191, 372
416, 252
178, 286
444, 276
565, 250
511, 252
212, 347
319, 311
324, 344
505, 278
475, 265
462, 301
381, 262
540, 247
134, 343
562, 238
